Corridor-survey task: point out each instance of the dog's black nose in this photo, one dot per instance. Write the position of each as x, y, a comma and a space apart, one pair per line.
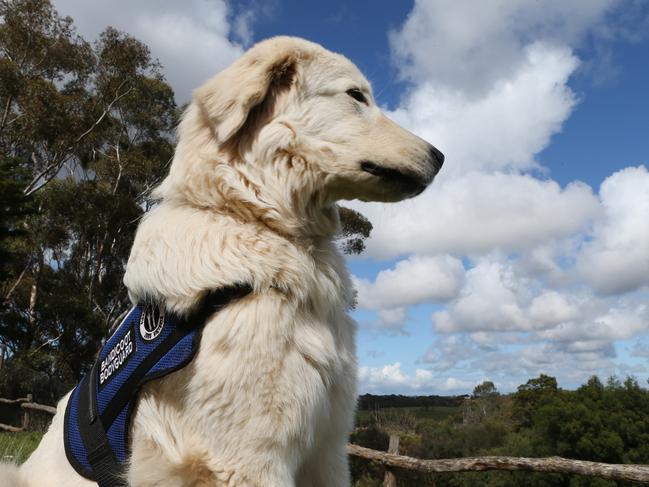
436, 157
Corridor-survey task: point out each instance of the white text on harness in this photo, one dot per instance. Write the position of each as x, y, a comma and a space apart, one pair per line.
116, 357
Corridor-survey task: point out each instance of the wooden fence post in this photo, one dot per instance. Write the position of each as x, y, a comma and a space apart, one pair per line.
390, 480
25, 424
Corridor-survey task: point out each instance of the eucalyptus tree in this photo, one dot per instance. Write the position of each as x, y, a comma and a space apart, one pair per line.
86, 131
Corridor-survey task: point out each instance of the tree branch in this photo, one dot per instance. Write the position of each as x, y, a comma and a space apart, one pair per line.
7, 54
116, 321
15, 284
51, 169
120, 170
48, 342
638, 473
5, 113
145, 192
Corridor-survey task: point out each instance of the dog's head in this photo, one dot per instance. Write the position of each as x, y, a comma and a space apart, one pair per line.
293, 126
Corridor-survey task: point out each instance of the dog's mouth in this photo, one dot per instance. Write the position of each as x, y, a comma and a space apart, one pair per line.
411, 184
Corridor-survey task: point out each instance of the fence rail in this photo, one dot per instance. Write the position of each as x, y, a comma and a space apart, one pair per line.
27, 405
394, 462
637, 473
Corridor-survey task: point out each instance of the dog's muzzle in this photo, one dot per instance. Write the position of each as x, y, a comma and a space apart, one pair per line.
408, 182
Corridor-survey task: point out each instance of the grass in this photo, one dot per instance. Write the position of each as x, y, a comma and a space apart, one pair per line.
16, 447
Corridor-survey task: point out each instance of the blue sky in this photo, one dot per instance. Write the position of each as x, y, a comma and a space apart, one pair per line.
530, 253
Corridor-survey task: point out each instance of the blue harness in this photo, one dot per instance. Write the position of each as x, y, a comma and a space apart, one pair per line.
148, 344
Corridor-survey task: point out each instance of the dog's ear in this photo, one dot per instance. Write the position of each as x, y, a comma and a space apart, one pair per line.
228, 98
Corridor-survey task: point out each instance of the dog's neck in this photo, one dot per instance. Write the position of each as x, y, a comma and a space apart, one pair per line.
180, 252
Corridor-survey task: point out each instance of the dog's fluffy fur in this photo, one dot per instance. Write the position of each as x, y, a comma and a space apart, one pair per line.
265, 150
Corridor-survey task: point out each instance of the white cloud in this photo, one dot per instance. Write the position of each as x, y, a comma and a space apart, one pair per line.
618, 322
393, 317
548, 260
458, 385
504, 127
551, 308
469, 46
391, 379
448, 352
477, 213
497, 297
617, 258
412, 281
388, 376
390, 321
243, 26
571, 362
191, 39
488, 301
515, 357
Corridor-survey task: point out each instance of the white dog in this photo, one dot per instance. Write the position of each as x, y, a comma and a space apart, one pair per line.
265, 150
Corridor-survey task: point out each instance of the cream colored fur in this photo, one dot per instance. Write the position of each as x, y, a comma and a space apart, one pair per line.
265, 150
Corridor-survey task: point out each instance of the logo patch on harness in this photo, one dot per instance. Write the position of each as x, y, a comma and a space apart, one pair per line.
152, 322
116, 357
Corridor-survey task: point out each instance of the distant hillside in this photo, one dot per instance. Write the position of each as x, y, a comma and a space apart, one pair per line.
370, 401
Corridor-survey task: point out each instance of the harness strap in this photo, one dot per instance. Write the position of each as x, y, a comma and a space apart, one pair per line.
107, 471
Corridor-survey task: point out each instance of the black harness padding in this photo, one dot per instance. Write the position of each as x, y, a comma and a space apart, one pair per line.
147, 345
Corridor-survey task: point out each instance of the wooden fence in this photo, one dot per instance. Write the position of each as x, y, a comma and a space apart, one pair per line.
27, 405
393, 462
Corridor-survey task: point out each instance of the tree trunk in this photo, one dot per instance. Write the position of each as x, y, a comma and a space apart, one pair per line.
33, 293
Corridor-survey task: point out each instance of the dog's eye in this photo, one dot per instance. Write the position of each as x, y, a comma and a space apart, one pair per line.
357, 95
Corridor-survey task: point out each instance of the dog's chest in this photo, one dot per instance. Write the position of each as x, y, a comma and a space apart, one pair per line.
274, 339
